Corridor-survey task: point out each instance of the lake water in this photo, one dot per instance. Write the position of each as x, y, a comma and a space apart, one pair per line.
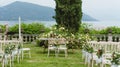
95, 24
103, 24
11, 23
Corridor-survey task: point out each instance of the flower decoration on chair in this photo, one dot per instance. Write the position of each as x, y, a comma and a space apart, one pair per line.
0, 56
88, 48
8, 49
19, 46
100, 53
115, 58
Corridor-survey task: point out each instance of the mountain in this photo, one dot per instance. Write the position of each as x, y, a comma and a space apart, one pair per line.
88, 18
29, 11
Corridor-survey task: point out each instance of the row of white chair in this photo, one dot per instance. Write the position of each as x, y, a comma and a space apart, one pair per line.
17, 52
9, 56
109, 48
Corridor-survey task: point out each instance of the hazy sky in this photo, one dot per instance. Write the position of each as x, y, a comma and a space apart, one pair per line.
102, 9
99, 9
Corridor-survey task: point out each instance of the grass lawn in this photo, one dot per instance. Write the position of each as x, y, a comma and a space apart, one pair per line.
40, 59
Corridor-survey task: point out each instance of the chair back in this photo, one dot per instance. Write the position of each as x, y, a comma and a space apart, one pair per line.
51, 42
61, 41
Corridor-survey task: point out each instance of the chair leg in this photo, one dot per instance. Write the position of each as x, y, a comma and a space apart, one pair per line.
58, 51
18, 58
29, 54
105, 65
10, 62
85, 59
92, 62
3, 63
82, 56
56, 54
48, 53
88, 64
65, 53
22, 54
101, 64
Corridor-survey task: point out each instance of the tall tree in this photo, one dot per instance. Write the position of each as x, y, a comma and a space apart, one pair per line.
69, 14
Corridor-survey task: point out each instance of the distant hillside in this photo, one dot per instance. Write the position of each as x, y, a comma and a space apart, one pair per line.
29, 11
88, 18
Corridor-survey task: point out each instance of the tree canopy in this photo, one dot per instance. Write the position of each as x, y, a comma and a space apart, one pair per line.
69, 14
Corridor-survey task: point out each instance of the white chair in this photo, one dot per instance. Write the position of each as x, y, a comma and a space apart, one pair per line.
9, 57
62, 45
26, 51
1, 57
51, 46
17, 52
107, 59
6, 57
109, 48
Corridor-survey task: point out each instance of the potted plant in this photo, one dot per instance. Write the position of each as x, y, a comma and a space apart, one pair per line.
100, 53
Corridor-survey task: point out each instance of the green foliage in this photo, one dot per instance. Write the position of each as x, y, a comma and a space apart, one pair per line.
87, 28
88, 48
19, 46
74, 40
14, 28
2, 27
83, 27
83, 39
33, 28
8, 49
113, 30
38, 28
116, 58
90, 30
69, 14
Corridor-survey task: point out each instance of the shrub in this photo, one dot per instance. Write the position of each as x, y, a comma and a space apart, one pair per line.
33, 28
